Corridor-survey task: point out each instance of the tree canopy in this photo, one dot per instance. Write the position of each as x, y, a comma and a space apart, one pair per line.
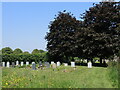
102, 20
35, 51
60, 39
17, 51
98, 35
7, 50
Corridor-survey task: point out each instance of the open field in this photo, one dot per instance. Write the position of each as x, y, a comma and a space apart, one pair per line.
63, 77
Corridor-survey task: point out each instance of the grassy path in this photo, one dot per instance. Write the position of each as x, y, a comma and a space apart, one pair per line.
81, 77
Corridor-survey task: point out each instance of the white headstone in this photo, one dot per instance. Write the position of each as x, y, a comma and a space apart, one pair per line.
33, 62
65, 64
17, 63
3, 64
21, 63
89, 65
52, 62
27, 63
96, 61
58, 63
72, 64
85, 60
8, 64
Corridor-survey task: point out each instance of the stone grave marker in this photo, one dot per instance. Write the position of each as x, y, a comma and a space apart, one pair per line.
33, 66
17, 63
27, 63
52, 62
54, 66
65, 64
13, 64
89, 65
106, 60
85, 60
3, 64
8, 64
47, 64
58, 63
40, 64
72, 64
96, 61
21, 63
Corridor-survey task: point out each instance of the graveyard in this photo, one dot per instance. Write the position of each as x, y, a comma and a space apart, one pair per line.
61, 77
54, 75
59, 50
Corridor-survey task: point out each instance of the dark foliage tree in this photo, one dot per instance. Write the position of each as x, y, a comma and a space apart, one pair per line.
61, 42
17, 51
7, 50
102, 38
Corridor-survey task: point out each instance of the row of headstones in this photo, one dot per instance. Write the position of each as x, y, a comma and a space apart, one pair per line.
47, 64
13, 64
106, 60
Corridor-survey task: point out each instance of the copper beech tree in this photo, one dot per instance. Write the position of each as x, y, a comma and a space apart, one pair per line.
97, 35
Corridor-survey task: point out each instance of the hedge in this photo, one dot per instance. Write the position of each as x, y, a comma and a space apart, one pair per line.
24, 57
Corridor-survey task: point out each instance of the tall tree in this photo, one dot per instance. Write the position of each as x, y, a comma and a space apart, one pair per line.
17, 51
60, 39
7, 50
101, 21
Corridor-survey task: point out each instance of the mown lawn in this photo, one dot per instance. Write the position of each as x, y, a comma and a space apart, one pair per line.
81, 77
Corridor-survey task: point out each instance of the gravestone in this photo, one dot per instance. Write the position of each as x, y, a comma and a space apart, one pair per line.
33, 66
52, 62
65, 64
89, 65
21, 63
58, 63
85, 60
96, 61
27, 63
3, 64
47, 64
17, 63
54, 66
116, 58
13, 64
8, 64
40, 64
106, 61
72, 64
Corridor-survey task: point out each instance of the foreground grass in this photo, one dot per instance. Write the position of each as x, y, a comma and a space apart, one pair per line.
63, 77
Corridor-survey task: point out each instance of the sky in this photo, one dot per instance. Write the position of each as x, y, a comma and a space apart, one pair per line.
25, 24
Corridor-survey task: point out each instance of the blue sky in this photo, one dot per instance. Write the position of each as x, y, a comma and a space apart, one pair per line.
25, 23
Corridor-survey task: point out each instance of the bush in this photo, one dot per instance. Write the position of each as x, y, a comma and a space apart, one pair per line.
24, 57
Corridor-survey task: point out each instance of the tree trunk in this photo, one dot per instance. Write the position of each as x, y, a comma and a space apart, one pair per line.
91, 60
100, 60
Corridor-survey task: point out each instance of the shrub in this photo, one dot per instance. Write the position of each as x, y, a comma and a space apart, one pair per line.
24, 57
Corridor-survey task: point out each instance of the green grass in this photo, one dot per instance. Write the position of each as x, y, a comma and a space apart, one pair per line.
82, 77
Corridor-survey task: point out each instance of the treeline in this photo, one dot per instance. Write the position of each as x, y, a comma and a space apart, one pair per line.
18, 55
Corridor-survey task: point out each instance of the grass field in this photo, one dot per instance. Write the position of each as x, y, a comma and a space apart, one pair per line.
63, 77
